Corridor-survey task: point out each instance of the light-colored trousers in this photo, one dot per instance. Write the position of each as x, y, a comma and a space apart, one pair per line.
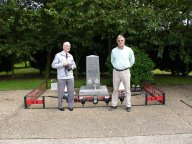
123, 76
61, 83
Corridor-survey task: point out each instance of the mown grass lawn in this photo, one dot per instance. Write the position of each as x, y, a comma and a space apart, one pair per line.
29, 78
18, 84
28, 84
171, 80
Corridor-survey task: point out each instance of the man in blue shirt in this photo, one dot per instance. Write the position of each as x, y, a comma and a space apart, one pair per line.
122, 58
64, 63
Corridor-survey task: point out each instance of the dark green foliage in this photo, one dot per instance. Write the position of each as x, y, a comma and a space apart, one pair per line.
29, 26
141, 71
5, 64
39, 61
174, 64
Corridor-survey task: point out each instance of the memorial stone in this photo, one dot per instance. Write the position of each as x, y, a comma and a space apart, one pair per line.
93, 86
92, 72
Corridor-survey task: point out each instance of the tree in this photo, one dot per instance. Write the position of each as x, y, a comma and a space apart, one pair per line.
43, 25
11, 31
44, 30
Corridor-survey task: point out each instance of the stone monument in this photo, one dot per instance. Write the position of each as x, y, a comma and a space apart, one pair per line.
93, 86
92, 72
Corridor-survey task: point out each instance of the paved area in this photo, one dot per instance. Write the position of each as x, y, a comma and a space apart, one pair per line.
93, 124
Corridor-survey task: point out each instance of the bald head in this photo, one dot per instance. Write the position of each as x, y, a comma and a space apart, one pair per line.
66, 47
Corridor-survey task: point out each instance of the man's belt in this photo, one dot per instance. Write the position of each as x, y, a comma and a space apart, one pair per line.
121, 69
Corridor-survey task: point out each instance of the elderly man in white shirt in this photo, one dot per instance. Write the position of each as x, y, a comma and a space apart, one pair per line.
122, 58
64, 63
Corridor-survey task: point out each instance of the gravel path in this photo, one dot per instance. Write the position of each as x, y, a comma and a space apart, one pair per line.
173, 120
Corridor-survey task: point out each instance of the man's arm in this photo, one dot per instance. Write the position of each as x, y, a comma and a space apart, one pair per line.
72, 65
132, 58
112, 58
56, 64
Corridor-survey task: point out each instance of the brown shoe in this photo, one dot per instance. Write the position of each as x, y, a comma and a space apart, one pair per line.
112, 108
128, 109
61, 109
71, 109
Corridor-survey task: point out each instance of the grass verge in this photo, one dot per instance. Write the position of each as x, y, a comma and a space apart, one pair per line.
29, 78
172, 80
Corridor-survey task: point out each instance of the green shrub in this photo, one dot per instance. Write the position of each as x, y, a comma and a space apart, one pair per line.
141, 71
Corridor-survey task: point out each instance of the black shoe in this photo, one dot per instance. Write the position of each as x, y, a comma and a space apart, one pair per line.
128, 109
112, 108
71, 109
61, 109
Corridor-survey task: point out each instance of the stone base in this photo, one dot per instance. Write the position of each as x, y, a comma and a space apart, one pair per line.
86, 91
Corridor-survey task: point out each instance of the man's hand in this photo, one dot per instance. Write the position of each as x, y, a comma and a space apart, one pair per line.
69, 67
65, 63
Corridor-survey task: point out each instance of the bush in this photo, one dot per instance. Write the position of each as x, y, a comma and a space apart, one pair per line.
141, 71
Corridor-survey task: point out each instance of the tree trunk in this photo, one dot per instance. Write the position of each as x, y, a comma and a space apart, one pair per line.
47, 69
76, 73
25, 64
12, 67
187, 70
109, 44
188, 47
12, 73
78, 53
